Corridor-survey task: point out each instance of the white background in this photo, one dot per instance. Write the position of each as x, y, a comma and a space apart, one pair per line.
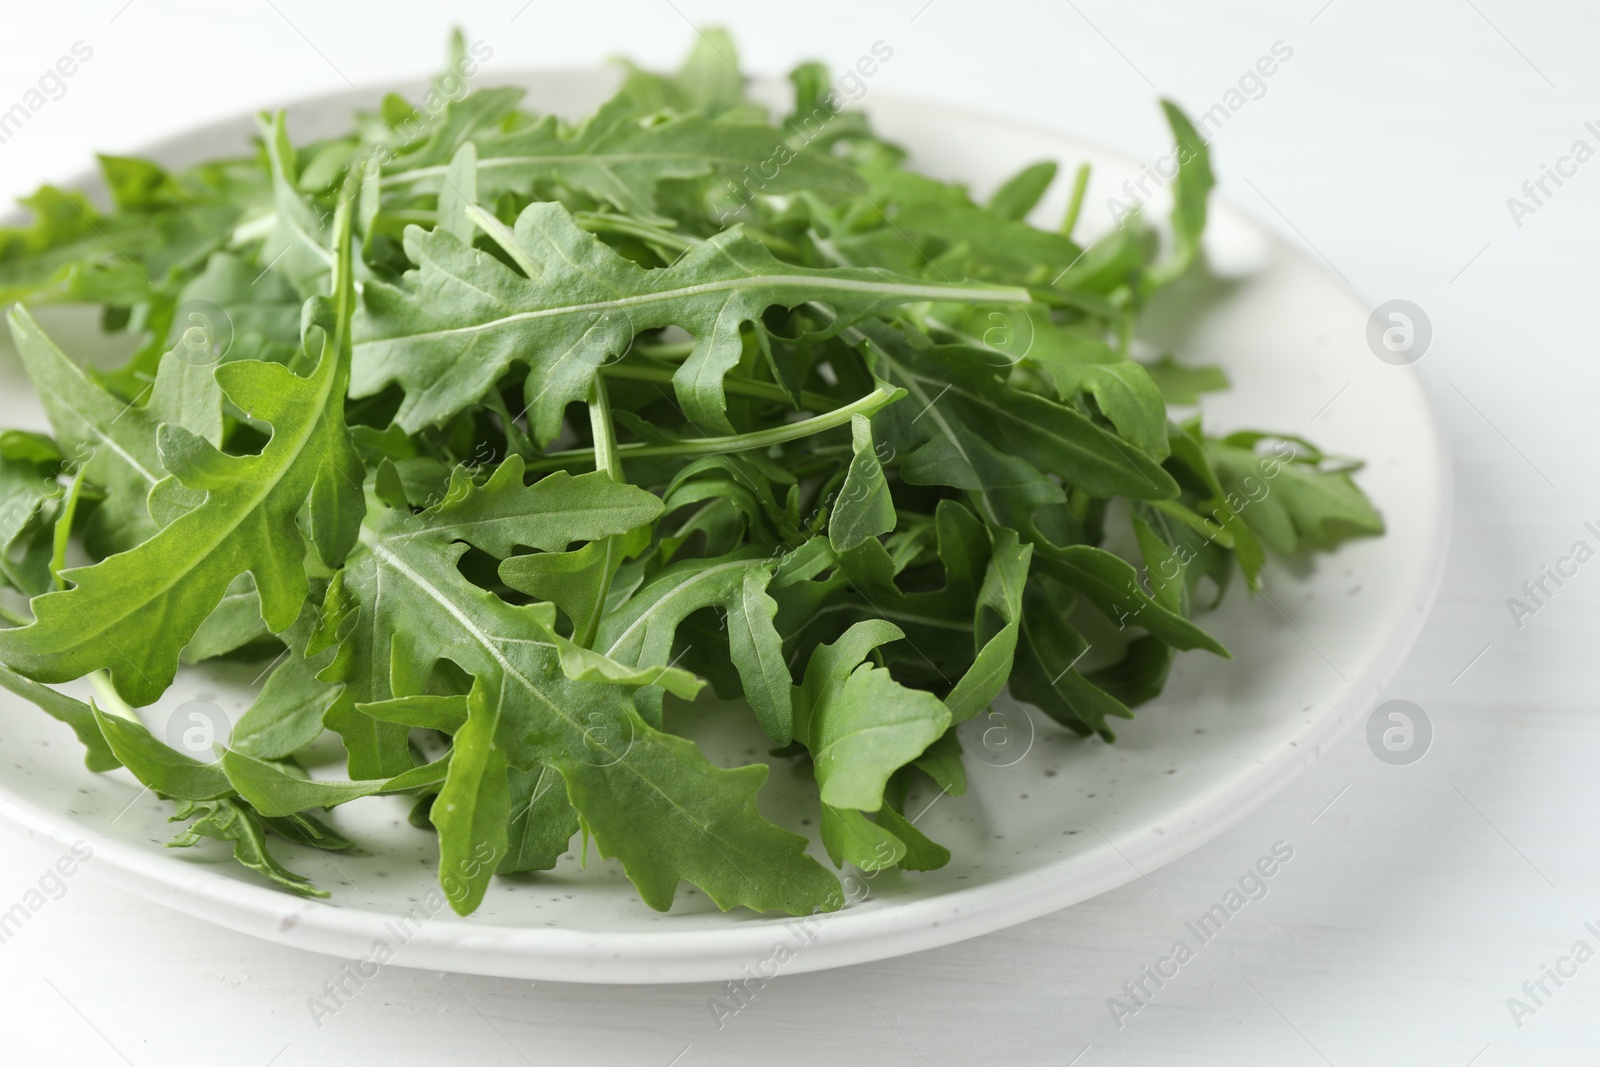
1415, 905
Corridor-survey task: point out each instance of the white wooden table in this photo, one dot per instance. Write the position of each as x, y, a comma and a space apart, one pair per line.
1419, 899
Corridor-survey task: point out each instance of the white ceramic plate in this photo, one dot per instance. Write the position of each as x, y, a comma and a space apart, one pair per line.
1050, 820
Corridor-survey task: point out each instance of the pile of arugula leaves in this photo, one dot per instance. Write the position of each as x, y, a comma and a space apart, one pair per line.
500, 430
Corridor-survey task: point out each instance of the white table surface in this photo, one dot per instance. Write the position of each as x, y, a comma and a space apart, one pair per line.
1416, 904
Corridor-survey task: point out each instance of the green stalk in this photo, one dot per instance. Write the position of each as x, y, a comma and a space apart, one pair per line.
14, 618
739, 442
63, 531
1080, 185
110, 701
667, 350
605, 222
736, 386
605, 435
606, 460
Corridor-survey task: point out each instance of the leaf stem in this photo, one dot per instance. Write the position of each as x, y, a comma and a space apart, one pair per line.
606, 460
605, 436
606, 222
503, 237
739, 442
1080, 185
63, 530
666, 349
756, 390
13, 617
111, 701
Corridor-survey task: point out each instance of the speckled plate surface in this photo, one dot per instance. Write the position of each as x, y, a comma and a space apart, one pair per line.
1050, 820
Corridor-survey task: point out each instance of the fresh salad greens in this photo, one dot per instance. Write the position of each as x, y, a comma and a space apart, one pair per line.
492, 432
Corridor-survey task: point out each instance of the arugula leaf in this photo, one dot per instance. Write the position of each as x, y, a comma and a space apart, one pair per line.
114, 441
132, 613
272, 792
618, 159
542, 822
865, 507
859, 724
229, 820
1022, 192
98, 755
709, 81
640, 632
288, 712
646, 797
454, 326
1190, 191
1293, 503
165, 770
1184, 385
298, 246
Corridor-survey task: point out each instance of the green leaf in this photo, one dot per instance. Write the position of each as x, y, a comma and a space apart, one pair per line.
619, 159
966, 411
1112, 585
165, 770
234, 822
98, 754
851, 837
558, 510
576, 582
999, 602
859, 724
1294, 503
709, 80
287, 714
455, 325
647, 798
1073, 362
1047, 676
114, 441
1180, 384
475, 115
274, 793
459, 191
924, 207
542, 821
641, 631
232, 624
1021, 193
864, 508
426, 711
922, 853
1190, 190
298, 246
132, 613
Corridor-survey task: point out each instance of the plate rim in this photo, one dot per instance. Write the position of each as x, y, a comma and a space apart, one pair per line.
843, 938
